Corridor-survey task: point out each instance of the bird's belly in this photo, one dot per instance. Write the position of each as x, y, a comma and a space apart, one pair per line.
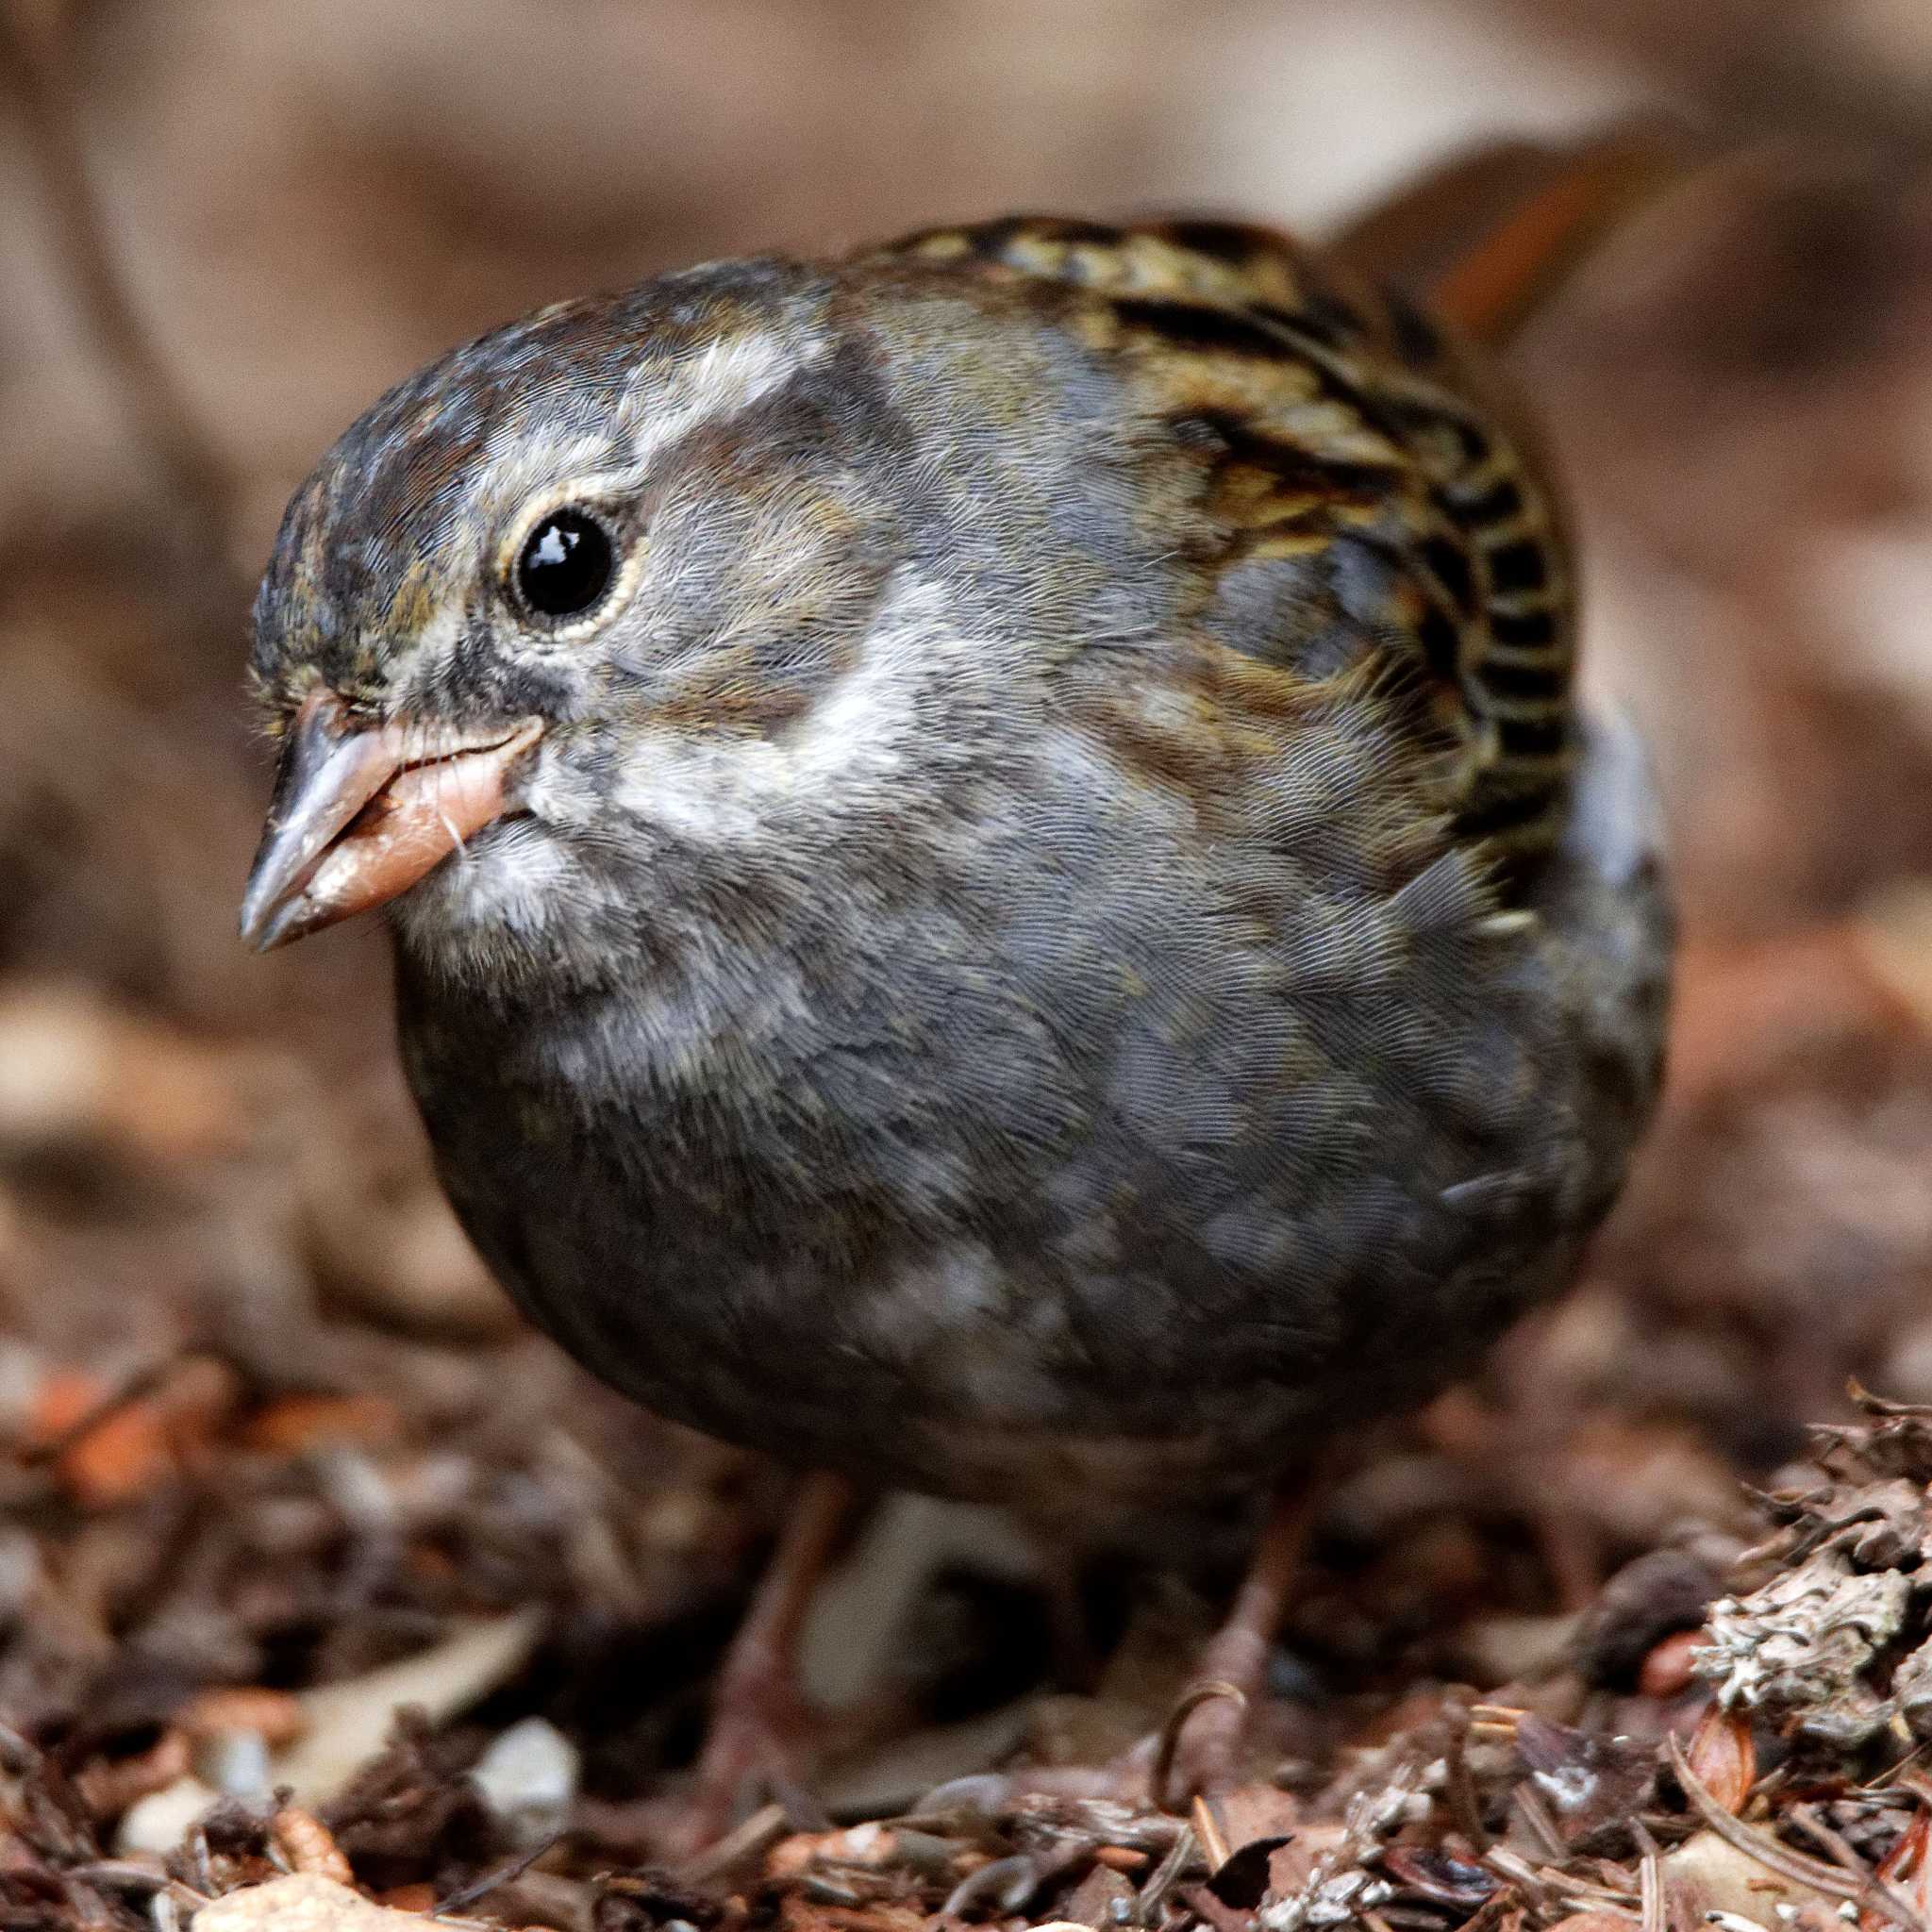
990, 1368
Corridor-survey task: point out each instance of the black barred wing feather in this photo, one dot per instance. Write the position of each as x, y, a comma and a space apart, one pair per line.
1344, 434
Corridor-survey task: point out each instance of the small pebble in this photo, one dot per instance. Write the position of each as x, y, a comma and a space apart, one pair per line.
528, 1778
159, 1822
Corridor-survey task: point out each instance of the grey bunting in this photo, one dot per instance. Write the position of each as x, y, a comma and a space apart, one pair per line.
998, 879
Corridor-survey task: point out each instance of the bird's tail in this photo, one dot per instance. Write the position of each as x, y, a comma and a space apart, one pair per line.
1486, 237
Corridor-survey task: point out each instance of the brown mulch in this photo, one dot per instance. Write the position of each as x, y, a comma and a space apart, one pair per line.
1688, 1744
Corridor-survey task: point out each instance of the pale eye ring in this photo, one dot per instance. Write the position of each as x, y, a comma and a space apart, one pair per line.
566, 565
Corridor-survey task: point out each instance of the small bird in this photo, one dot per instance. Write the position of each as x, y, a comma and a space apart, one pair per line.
999, 883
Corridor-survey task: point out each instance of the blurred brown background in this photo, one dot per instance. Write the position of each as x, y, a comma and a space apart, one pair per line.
226, 225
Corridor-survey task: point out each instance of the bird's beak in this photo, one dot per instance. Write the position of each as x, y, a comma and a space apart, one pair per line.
362, 813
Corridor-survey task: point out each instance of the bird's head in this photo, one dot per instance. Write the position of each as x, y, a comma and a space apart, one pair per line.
612, 569
751, 559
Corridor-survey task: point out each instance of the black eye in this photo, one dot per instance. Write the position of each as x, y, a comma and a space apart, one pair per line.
565, 565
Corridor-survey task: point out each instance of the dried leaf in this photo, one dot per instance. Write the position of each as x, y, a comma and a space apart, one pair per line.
1706, 1875
348, 1723
1723, 1756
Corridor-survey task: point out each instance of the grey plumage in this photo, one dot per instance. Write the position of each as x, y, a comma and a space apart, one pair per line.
1052, 947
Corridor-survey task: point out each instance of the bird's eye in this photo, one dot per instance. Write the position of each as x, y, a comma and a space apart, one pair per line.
565, 565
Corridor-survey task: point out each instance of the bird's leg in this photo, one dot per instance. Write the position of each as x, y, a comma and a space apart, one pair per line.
1200, 1750
756, 1708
